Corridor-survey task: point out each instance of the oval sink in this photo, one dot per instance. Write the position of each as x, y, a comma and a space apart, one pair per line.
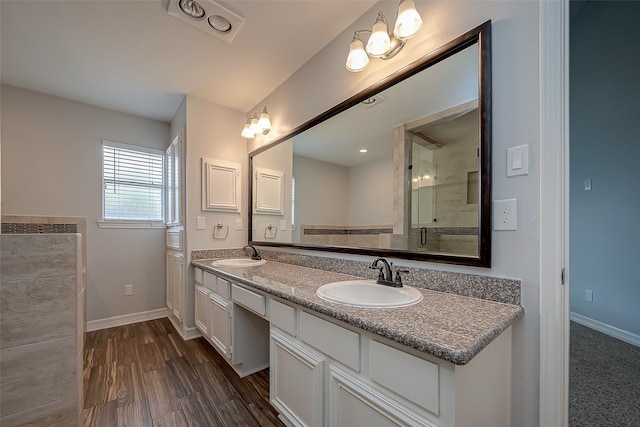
367, 293
238, 262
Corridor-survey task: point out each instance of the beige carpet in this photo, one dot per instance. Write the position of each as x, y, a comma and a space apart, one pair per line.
604, 380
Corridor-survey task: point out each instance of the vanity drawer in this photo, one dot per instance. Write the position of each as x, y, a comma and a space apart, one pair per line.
210, 282
409, 376
283, 316
335, 341
253, 301
199, 276
224, 288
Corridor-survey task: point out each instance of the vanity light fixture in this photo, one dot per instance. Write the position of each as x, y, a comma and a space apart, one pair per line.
257, 124
381, 43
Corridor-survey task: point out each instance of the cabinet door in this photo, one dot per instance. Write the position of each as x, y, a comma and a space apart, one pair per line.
202, 309
169, 279
296, 381
220, 325
178, 286
354, 403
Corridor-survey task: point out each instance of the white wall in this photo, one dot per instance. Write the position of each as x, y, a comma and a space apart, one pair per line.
322, 191
52, 165
278, 159
371, 188
515, 35
213, 132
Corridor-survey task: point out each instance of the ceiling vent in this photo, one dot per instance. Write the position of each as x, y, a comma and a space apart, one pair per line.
208, 17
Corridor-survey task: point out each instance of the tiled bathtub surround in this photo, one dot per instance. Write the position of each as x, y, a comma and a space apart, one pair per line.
40, 341
472, 285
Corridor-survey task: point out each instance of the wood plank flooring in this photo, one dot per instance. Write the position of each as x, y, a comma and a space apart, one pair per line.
145, 375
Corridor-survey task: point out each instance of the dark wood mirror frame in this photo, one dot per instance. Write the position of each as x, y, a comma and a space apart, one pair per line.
480, 35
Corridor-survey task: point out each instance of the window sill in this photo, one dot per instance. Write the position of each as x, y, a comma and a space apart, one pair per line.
130, 224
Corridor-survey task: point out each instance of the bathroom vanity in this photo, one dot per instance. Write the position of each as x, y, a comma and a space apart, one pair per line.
444, 361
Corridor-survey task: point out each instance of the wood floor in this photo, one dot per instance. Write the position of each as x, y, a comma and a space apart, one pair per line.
145, 375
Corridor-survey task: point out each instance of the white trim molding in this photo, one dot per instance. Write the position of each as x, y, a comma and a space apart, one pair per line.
127, 319
554, 212
130, 224
612, 331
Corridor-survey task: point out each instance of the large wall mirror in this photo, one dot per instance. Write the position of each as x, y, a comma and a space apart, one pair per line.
402, 169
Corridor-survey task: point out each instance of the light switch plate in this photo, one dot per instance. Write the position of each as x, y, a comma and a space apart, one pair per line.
505, 214
518, 160
238, 223
201, 223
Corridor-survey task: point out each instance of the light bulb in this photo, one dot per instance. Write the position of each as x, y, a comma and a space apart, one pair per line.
408, 22
264, 123
253, 127
379, 42
191, 8
246, 132
358, 58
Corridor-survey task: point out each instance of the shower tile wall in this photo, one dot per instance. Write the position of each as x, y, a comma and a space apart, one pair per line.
40, 334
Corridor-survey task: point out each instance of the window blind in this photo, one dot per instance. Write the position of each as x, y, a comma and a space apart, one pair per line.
132, 181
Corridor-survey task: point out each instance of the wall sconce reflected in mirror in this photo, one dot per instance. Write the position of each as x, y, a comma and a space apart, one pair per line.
258, 124
381, 43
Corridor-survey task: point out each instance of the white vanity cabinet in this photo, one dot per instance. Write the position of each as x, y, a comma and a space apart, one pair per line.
236, 323
220, 324
175, 284
325, 373
201, 308
296, 383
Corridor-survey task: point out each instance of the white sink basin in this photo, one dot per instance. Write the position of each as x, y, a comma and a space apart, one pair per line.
238, 262
367, 293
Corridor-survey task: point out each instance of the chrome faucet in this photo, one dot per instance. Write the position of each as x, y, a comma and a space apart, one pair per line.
255, 255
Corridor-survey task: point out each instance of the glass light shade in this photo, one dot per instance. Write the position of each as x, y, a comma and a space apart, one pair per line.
246, 132
254, 126
379, 42
219, 23
408, 22
358, 58
264, 123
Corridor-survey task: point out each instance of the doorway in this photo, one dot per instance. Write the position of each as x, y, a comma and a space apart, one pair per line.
604, 205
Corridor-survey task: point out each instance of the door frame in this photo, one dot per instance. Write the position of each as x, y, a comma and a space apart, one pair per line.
554, 212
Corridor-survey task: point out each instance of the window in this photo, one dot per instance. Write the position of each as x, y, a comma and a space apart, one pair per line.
132, 183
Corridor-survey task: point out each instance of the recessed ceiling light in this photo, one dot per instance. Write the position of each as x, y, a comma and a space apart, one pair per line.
363, 150
220, 23
192, 8
208, 16
373, 100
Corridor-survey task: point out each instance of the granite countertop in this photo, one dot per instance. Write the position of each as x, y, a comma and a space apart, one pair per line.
448, 326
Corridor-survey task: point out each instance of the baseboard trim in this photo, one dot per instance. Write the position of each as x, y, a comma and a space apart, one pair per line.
191, 333
185, 333
612, 331
126, 319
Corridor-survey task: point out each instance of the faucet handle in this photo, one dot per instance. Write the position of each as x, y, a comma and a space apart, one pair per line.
380, 272
398, 278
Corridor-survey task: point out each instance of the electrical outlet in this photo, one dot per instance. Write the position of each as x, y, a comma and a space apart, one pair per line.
588, 295
128, 290
505, 214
